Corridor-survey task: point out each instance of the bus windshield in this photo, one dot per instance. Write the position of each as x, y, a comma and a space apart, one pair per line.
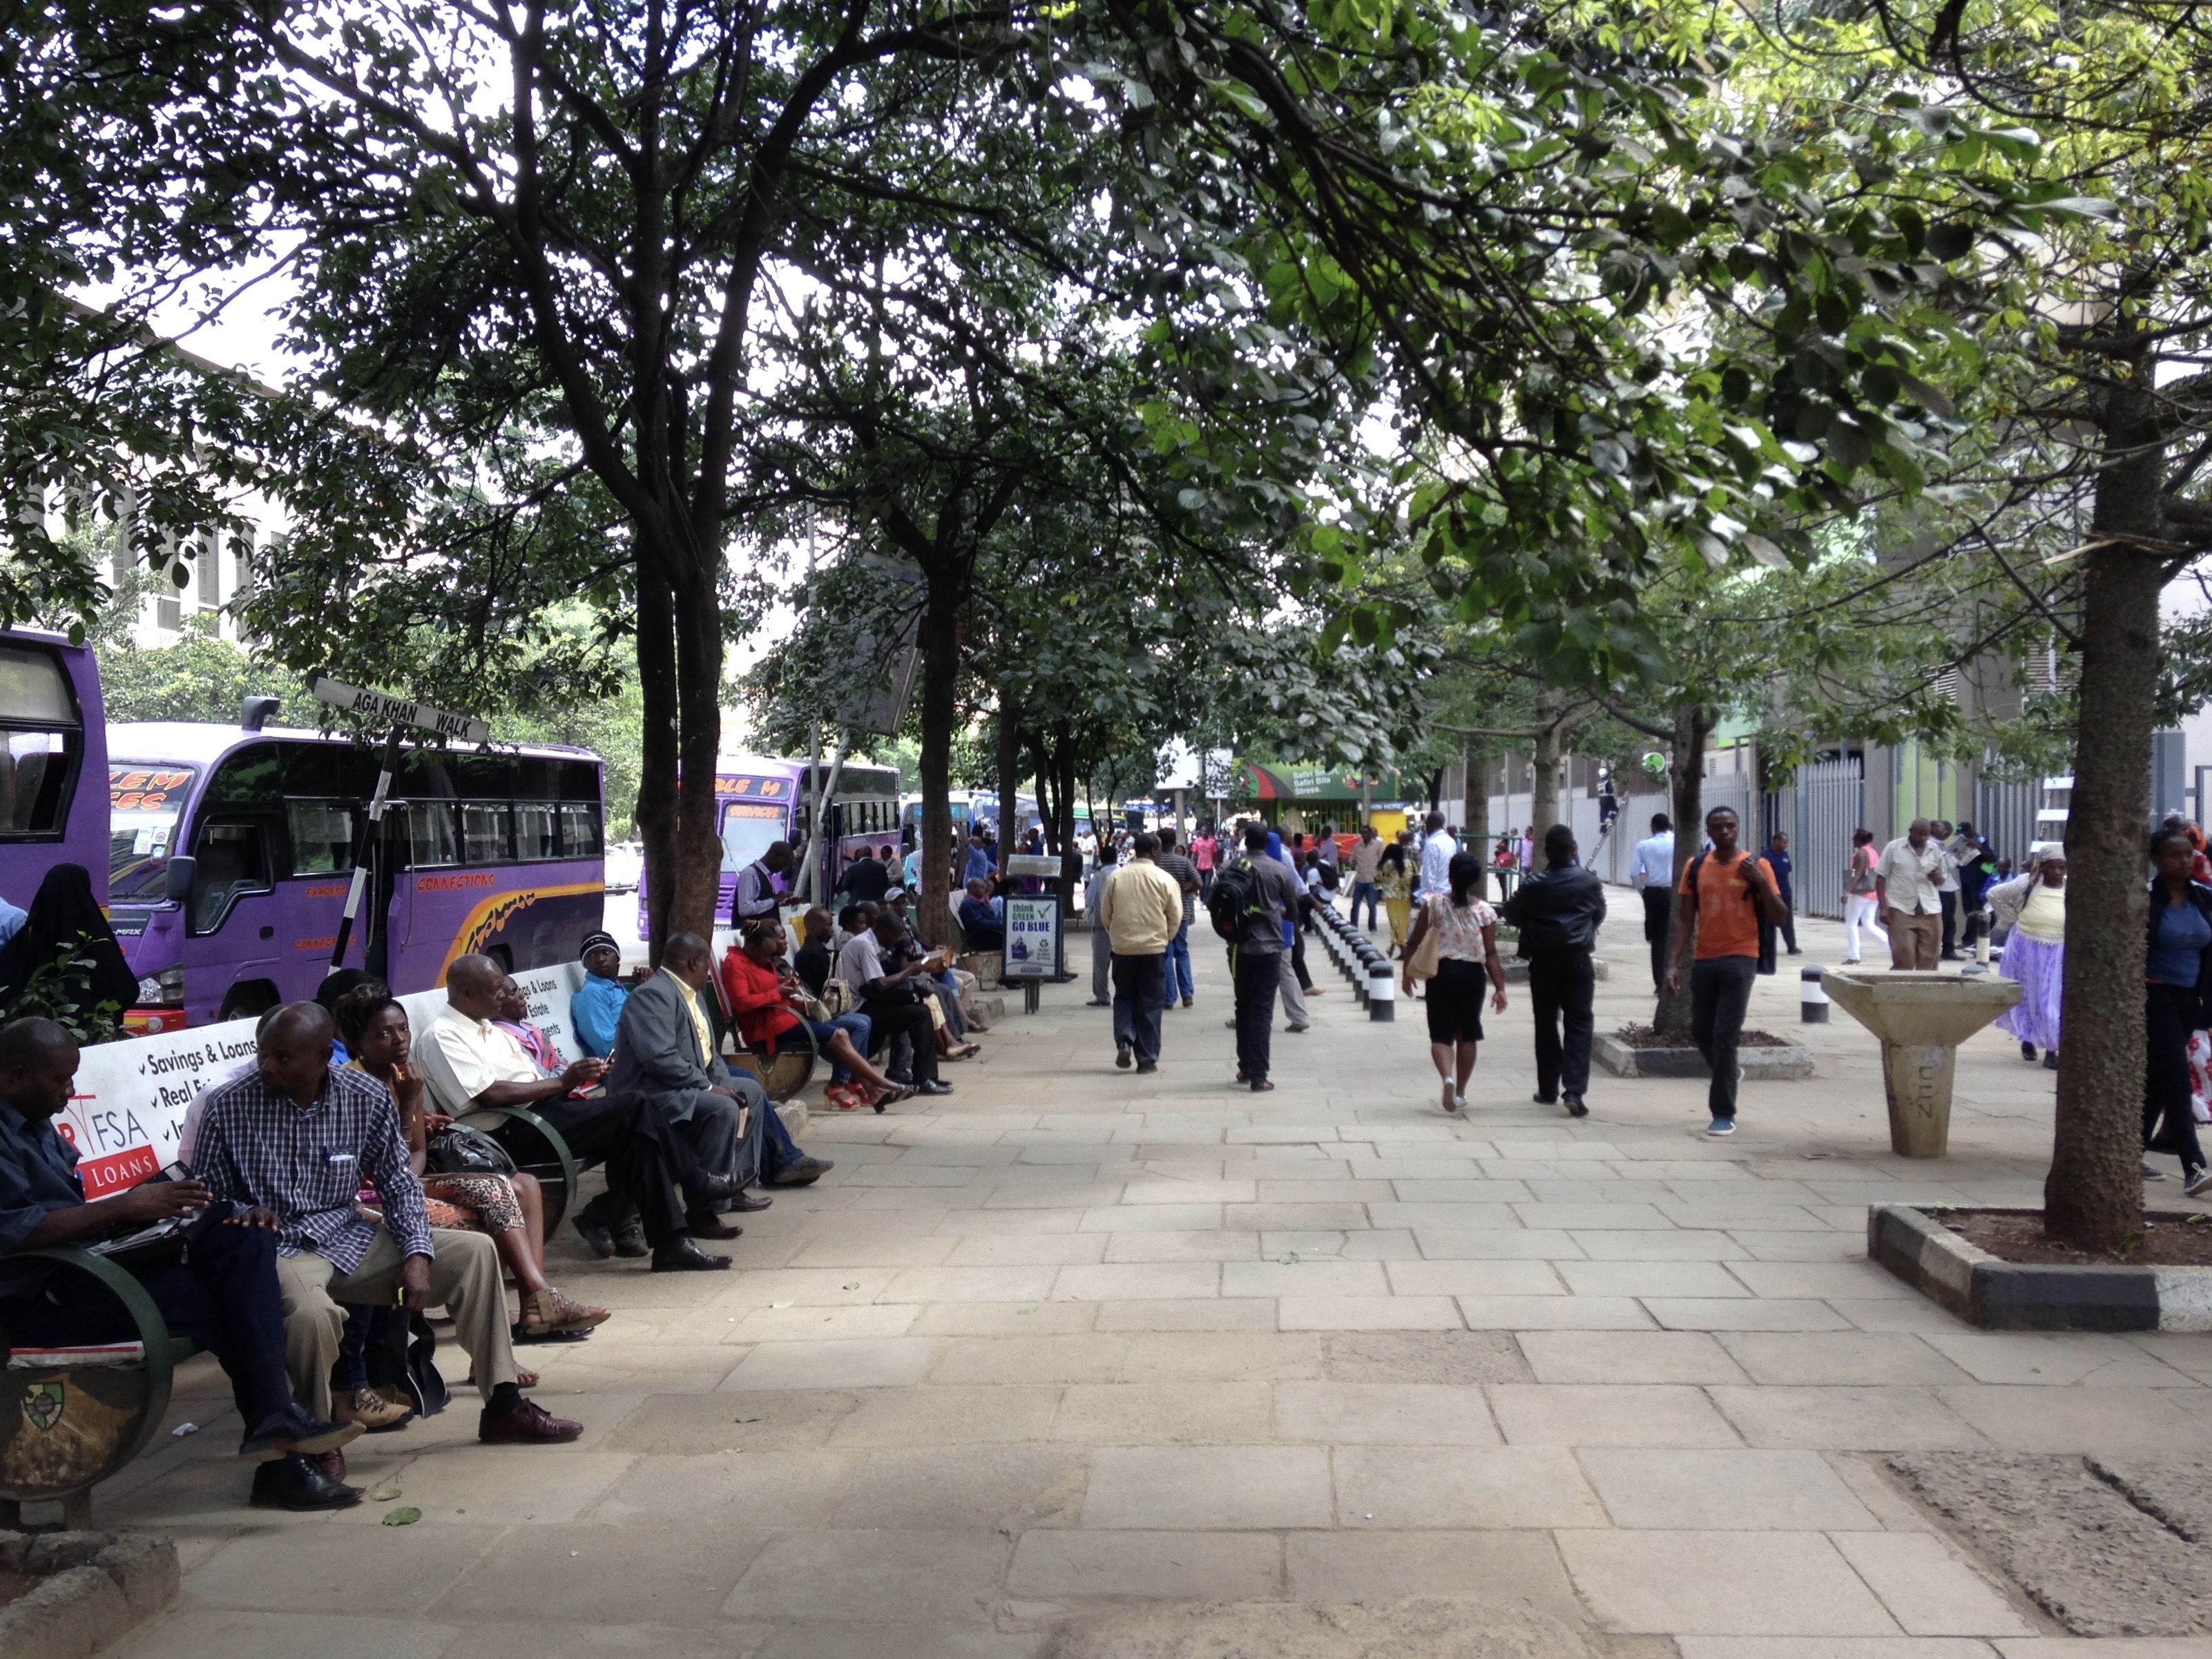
749, 830
144, 803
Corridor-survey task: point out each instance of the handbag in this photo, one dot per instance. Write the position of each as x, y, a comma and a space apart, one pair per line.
1428, 952
458, 1150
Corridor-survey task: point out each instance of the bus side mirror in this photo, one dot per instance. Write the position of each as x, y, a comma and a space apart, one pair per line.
178, 877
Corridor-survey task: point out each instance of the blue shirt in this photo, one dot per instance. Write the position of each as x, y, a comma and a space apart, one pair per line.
11, 921
1653, 863
979, 866
595, 1012
2183, 933
38, 1175
1779, 863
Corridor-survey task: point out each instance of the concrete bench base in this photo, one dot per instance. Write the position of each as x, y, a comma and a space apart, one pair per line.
92, 1587
1786, 1064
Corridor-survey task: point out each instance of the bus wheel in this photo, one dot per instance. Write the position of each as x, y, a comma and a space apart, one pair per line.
249, 999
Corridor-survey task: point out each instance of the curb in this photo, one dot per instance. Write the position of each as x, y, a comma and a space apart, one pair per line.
95, 1587
1789, 1063
1997, 1295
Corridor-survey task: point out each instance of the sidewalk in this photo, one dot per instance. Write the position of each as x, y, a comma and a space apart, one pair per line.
1078, 1340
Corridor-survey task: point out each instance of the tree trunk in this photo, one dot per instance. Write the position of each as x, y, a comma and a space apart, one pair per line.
1475, 809
698, 846
657, 762
2092, 1198
1685, 777
1543, 790
1012, 821
940, 664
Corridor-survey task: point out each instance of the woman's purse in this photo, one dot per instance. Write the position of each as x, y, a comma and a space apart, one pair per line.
458, 1150
1428, 952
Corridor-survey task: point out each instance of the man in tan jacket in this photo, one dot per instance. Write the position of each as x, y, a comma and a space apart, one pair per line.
1141, 911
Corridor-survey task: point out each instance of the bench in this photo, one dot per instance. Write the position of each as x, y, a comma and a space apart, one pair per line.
68, 1425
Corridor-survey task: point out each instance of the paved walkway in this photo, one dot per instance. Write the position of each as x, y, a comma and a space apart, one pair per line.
1077, 1339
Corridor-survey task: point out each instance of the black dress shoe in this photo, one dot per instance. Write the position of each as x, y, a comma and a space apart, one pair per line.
1575, 1107
293, 1482
295, 1429
682, 1257
629, 1240
746, 1203
705, 1223
595, 1233
801, 1172
701, 1188
933, 1087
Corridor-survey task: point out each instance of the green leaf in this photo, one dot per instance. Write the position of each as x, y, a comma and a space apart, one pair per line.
405, 1515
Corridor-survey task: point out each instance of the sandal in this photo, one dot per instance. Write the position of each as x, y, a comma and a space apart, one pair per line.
963, 1050
552, 1314
842, 1095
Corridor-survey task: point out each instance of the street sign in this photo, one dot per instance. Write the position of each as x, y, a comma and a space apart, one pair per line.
386, 709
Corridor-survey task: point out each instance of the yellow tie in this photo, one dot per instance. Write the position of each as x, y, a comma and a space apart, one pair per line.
699, 1025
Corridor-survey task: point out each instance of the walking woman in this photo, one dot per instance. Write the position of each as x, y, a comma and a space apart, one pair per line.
2033, 905
2178, 975
1860, 898
1466, 951
1395, 881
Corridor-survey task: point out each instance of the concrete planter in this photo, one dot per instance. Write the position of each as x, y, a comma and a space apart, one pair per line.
1999, 1295
90, 1588
1787, 1064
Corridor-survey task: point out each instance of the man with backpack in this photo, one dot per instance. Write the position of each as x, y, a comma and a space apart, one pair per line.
1731, 891
1251, 896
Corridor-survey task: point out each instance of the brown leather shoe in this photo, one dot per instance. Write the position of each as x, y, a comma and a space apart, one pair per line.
528, 1424
330, 1464
705, 1223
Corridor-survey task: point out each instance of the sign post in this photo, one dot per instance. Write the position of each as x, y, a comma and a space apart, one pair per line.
1032, 943
401, 714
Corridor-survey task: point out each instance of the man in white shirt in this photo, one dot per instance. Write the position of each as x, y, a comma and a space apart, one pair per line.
1905, 877
1651, 872
1437, 850
754, 899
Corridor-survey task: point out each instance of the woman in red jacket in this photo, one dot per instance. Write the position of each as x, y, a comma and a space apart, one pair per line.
763, 995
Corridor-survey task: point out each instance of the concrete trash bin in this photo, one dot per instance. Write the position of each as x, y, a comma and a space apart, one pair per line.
1921, 1019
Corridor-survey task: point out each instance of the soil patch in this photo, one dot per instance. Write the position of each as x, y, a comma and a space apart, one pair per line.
2176, 1239
1646, 1036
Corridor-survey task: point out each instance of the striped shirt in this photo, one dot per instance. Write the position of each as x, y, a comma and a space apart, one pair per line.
259, 1148
1186, 875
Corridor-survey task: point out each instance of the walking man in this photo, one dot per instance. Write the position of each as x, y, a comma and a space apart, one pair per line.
1651, 872
1906, 878
1255, 949
1185, 873
1946, 887
1102, 950
1732, 890
1777, 860
1366, 861
1557, 911
1437, 850
1141, 913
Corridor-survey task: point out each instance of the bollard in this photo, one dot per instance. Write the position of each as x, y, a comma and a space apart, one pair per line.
1382, 992
1813, 998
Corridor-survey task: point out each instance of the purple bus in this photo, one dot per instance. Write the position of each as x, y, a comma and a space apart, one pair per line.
231, 849
55, 738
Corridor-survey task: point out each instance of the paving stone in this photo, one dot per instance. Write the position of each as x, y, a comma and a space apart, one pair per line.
1554, 1313
1188, 1314
1384, 1414
1774, 1585
768, 1489
2106, 1422
1417, 1357
1423, 1487
1079, 1358
1501, 1277
1225, 1356
1857, 1356
2080, 1551
1724, 1491
1609, 1414
305, 1570
1369, 1313
1627, 1357
889, 1362
1435, 1628
1006, 1319
875, 1576
237, 1634
1006, 1488
1927, 1589
1167, 1414
1846, 1418
1162, 1488
949, 1416
636, 1573
1146, 1565
1376, 1567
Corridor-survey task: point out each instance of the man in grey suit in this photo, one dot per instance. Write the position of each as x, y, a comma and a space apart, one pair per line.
665, 1049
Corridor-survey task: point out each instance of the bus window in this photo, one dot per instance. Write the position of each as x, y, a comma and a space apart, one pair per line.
536, 831
144, 803
39, 751
484, 832
580, 829
232, 861
431, 842
322, 837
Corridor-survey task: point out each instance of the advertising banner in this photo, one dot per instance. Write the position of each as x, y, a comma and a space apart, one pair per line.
1032, 936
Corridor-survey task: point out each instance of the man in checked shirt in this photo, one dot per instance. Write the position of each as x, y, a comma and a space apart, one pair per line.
300, 1138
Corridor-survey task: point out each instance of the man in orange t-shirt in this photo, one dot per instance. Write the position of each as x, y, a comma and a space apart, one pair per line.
1731, 888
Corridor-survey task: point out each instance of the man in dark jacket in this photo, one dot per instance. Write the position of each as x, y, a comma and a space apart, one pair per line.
1558, 910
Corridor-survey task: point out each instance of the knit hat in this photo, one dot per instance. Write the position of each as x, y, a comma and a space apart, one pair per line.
594, 940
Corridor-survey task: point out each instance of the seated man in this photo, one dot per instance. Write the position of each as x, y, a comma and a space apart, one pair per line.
299, 1138
469, 1062
223, 1294
950, 985
814, 960
887, 986
762, 993
667, 1053
596, 1009
982, 918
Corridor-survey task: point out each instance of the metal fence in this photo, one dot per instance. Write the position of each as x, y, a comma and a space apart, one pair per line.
1818, 811
2004, 813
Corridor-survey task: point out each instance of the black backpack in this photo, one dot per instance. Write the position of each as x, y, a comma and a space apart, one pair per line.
1236, 896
